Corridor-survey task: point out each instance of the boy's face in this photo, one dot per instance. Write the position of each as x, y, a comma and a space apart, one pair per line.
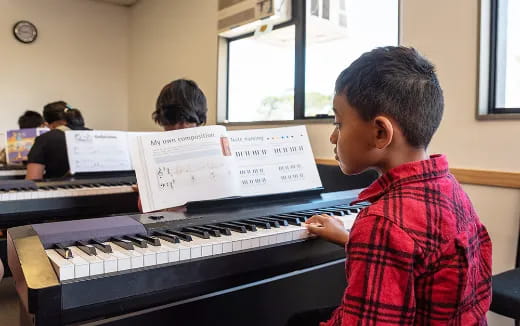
351, 136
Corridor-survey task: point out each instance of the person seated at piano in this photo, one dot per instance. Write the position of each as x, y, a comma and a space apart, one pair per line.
181, 104
31, 119
75, 119
48, 155
418, 255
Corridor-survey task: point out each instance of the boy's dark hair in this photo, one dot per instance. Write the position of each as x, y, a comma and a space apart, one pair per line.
30, 119
398, 82
180, 101
54, 111
74, 119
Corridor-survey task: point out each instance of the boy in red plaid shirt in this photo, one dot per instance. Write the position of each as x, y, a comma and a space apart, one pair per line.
419, 254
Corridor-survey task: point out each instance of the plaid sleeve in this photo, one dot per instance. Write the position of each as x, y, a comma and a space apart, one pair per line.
379, 268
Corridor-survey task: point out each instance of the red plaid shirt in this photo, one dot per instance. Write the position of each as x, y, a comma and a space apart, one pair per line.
418, 255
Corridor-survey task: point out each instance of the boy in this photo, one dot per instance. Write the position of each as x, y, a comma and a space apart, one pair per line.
419, 254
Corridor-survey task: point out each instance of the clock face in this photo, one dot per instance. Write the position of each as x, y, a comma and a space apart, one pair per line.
25, 31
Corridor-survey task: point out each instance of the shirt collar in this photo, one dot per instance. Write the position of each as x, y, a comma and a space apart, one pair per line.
435, 167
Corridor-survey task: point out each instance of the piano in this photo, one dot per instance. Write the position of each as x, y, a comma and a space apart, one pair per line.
28, 202
12, 172
233, 262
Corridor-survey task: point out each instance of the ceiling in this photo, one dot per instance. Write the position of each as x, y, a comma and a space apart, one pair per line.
126, 3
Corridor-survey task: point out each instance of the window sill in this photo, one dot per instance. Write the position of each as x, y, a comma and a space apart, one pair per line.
501, 116
278, 122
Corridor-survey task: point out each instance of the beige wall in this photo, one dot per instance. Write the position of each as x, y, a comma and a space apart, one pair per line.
80, 56
446, 31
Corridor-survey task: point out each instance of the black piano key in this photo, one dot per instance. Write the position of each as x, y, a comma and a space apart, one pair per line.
223, 230
248, 226
290, 219
196, 232
234, 227
262, 224
83, 246
211, 231
301, 215
63, 251
181, 235
332, 211
280, 221
136, 241
273, 223
167, 237
101, 246
122, 243
151, 240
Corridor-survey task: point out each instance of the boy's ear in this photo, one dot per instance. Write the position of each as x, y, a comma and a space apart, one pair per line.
384, 131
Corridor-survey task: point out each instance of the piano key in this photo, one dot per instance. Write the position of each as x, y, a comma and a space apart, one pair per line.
294, 220
280, 221
140, 243
262, 224
149, 256
123, 243
123, 260
63, 267
248, 226
161, 254
273, 223
109, 262
136, 257
83, 246
167, 237
212, 231
101, 246
181, 235
223, 230
95, 264
196, 232
63, 251
149, 239
172, 249
234, 227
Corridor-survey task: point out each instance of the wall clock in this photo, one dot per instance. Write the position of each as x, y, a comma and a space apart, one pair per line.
25, 31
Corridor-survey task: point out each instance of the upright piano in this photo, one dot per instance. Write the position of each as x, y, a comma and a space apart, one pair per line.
234, 262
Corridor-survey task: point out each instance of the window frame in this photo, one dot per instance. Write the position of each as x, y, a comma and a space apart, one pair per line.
299, 18
489, 47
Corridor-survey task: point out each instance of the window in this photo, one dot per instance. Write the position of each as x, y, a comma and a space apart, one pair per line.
500, 58
289, 73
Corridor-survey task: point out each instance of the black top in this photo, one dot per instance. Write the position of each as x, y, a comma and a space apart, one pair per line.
50, 150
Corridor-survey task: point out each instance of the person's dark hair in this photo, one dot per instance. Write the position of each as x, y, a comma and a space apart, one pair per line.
54, 111
30, 119
74, 119
398, 82
180, 101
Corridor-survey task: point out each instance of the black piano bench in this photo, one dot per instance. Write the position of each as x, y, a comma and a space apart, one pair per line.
506, 294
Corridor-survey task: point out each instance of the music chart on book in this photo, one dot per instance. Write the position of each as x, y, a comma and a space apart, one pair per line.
274, 160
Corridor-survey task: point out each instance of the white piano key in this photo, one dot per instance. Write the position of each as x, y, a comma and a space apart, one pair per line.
123, 260
136, 258
195, 249
81, 266
149, 257
109, 261
173, 250
161, 254
96, 266
63, 268
227, 245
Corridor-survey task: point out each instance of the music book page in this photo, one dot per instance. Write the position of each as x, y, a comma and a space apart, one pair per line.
204, 163
174, 167
97, 150
274, 160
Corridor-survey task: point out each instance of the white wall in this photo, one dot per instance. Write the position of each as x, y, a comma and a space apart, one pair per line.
80, 56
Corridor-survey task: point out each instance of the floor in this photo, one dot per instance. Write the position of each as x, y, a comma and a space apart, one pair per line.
9, 309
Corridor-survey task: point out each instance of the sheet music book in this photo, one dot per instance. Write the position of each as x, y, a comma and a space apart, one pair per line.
98, 150
205, 163
19, 143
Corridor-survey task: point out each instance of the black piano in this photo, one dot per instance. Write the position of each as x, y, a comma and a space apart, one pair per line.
92, 195
234, 262
11, 171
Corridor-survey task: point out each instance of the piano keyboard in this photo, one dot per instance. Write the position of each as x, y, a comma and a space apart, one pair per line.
170, 246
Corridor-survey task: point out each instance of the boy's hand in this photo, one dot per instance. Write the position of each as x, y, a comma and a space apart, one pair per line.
328, 227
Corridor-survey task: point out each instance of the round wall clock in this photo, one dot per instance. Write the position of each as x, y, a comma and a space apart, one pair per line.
25, 31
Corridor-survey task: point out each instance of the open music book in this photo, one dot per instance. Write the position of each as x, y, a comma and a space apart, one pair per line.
204, 163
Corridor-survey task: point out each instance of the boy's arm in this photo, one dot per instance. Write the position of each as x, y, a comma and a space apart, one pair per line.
380, 262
